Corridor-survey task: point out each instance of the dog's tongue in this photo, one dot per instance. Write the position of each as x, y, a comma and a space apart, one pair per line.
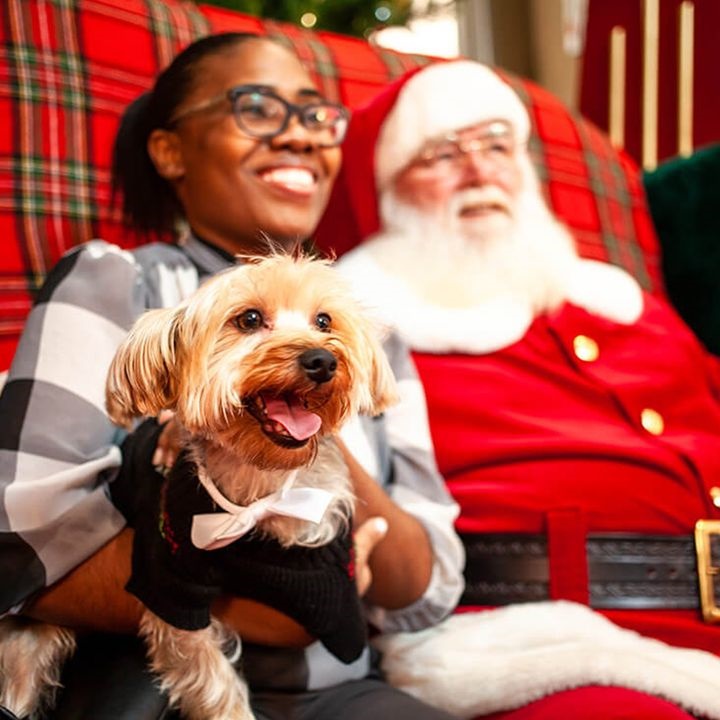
298, 421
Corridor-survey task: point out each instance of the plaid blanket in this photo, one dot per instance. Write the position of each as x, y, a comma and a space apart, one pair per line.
67, 72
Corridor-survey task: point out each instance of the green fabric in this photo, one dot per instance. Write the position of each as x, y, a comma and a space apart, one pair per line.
684, 199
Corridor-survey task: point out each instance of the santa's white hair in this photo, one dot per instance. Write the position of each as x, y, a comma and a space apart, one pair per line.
529, 256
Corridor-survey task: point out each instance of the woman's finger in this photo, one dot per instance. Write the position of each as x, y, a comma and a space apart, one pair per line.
367, 536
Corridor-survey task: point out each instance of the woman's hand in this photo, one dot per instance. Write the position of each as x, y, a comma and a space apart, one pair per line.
366, 537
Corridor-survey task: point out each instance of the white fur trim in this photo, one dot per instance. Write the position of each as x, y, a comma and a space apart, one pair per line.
479, 663
606, 290
479, 330
474, 92
597, 287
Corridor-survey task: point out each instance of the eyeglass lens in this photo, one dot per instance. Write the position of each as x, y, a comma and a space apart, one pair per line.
265, 115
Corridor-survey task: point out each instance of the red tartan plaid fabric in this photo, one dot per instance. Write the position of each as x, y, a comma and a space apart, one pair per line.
68, 68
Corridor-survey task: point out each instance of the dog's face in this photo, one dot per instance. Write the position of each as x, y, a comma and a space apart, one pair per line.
262, 359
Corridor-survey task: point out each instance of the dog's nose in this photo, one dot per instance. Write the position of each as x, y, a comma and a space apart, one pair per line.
318, 364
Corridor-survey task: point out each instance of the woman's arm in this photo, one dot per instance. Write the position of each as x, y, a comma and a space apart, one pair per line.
417, 567
93, 597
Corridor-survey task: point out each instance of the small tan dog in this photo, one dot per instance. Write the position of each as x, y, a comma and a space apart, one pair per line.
261, 366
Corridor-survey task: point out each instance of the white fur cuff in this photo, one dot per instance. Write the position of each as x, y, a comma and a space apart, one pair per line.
479, 663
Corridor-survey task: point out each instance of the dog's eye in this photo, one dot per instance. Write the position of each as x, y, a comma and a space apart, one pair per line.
322, 321
249, 320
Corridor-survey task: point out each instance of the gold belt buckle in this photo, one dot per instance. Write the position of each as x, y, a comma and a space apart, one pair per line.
707, 572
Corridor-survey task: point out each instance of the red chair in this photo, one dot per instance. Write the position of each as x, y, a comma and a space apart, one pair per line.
66, 75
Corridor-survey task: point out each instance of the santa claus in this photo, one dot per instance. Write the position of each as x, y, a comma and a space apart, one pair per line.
575, 419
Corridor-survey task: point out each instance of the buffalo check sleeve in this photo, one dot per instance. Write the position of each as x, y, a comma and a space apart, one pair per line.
398, 450
58, 448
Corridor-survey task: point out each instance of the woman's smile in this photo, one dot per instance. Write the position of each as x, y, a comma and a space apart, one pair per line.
290, 179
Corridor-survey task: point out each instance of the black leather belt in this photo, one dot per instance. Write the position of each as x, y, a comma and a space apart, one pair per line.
625, 571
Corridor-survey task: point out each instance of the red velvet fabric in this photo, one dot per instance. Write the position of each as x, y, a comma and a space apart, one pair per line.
595, 703
570, 449
573, 439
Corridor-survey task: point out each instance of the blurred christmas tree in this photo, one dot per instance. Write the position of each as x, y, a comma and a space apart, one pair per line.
349, 17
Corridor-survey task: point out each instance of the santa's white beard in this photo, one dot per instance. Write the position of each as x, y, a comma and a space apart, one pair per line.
454, 263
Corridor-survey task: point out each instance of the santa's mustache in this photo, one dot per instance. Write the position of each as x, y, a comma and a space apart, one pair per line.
488, 197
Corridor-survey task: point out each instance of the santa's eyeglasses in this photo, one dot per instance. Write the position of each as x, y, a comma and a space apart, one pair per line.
261, 113
496, 143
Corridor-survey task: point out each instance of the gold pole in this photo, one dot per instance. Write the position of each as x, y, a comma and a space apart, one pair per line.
616, 103
650, 84
685, 78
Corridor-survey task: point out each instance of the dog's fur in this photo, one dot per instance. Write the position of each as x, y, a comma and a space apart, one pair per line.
215, 364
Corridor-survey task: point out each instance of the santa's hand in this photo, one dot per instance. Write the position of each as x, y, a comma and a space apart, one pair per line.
367, 536
169, 441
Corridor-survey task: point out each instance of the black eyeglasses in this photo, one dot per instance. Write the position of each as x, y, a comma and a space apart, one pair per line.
261, 113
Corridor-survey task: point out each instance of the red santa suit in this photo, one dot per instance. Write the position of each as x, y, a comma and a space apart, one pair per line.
596, 424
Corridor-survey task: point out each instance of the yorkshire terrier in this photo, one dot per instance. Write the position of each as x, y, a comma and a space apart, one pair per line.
261, 366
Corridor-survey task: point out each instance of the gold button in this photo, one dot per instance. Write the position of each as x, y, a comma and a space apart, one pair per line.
586, 349
715, 495
652, 421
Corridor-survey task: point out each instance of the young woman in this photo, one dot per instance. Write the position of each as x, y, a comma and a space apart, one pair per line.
235, 145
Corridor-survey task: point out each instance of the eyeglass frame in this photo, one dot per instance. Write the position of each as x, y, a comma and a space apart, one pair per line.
425, 158
292, 109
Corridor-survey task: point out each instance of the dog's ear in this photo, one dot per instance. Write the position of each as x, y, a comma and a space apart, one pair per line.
143, 376
380, 389
382, 380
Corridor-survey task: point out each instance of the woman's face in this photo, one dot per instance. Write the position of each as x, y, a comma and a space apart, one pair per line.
237, 190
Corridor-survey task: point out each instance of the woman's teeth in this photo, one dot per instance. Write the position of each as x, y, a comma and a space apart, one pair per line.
294, 178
